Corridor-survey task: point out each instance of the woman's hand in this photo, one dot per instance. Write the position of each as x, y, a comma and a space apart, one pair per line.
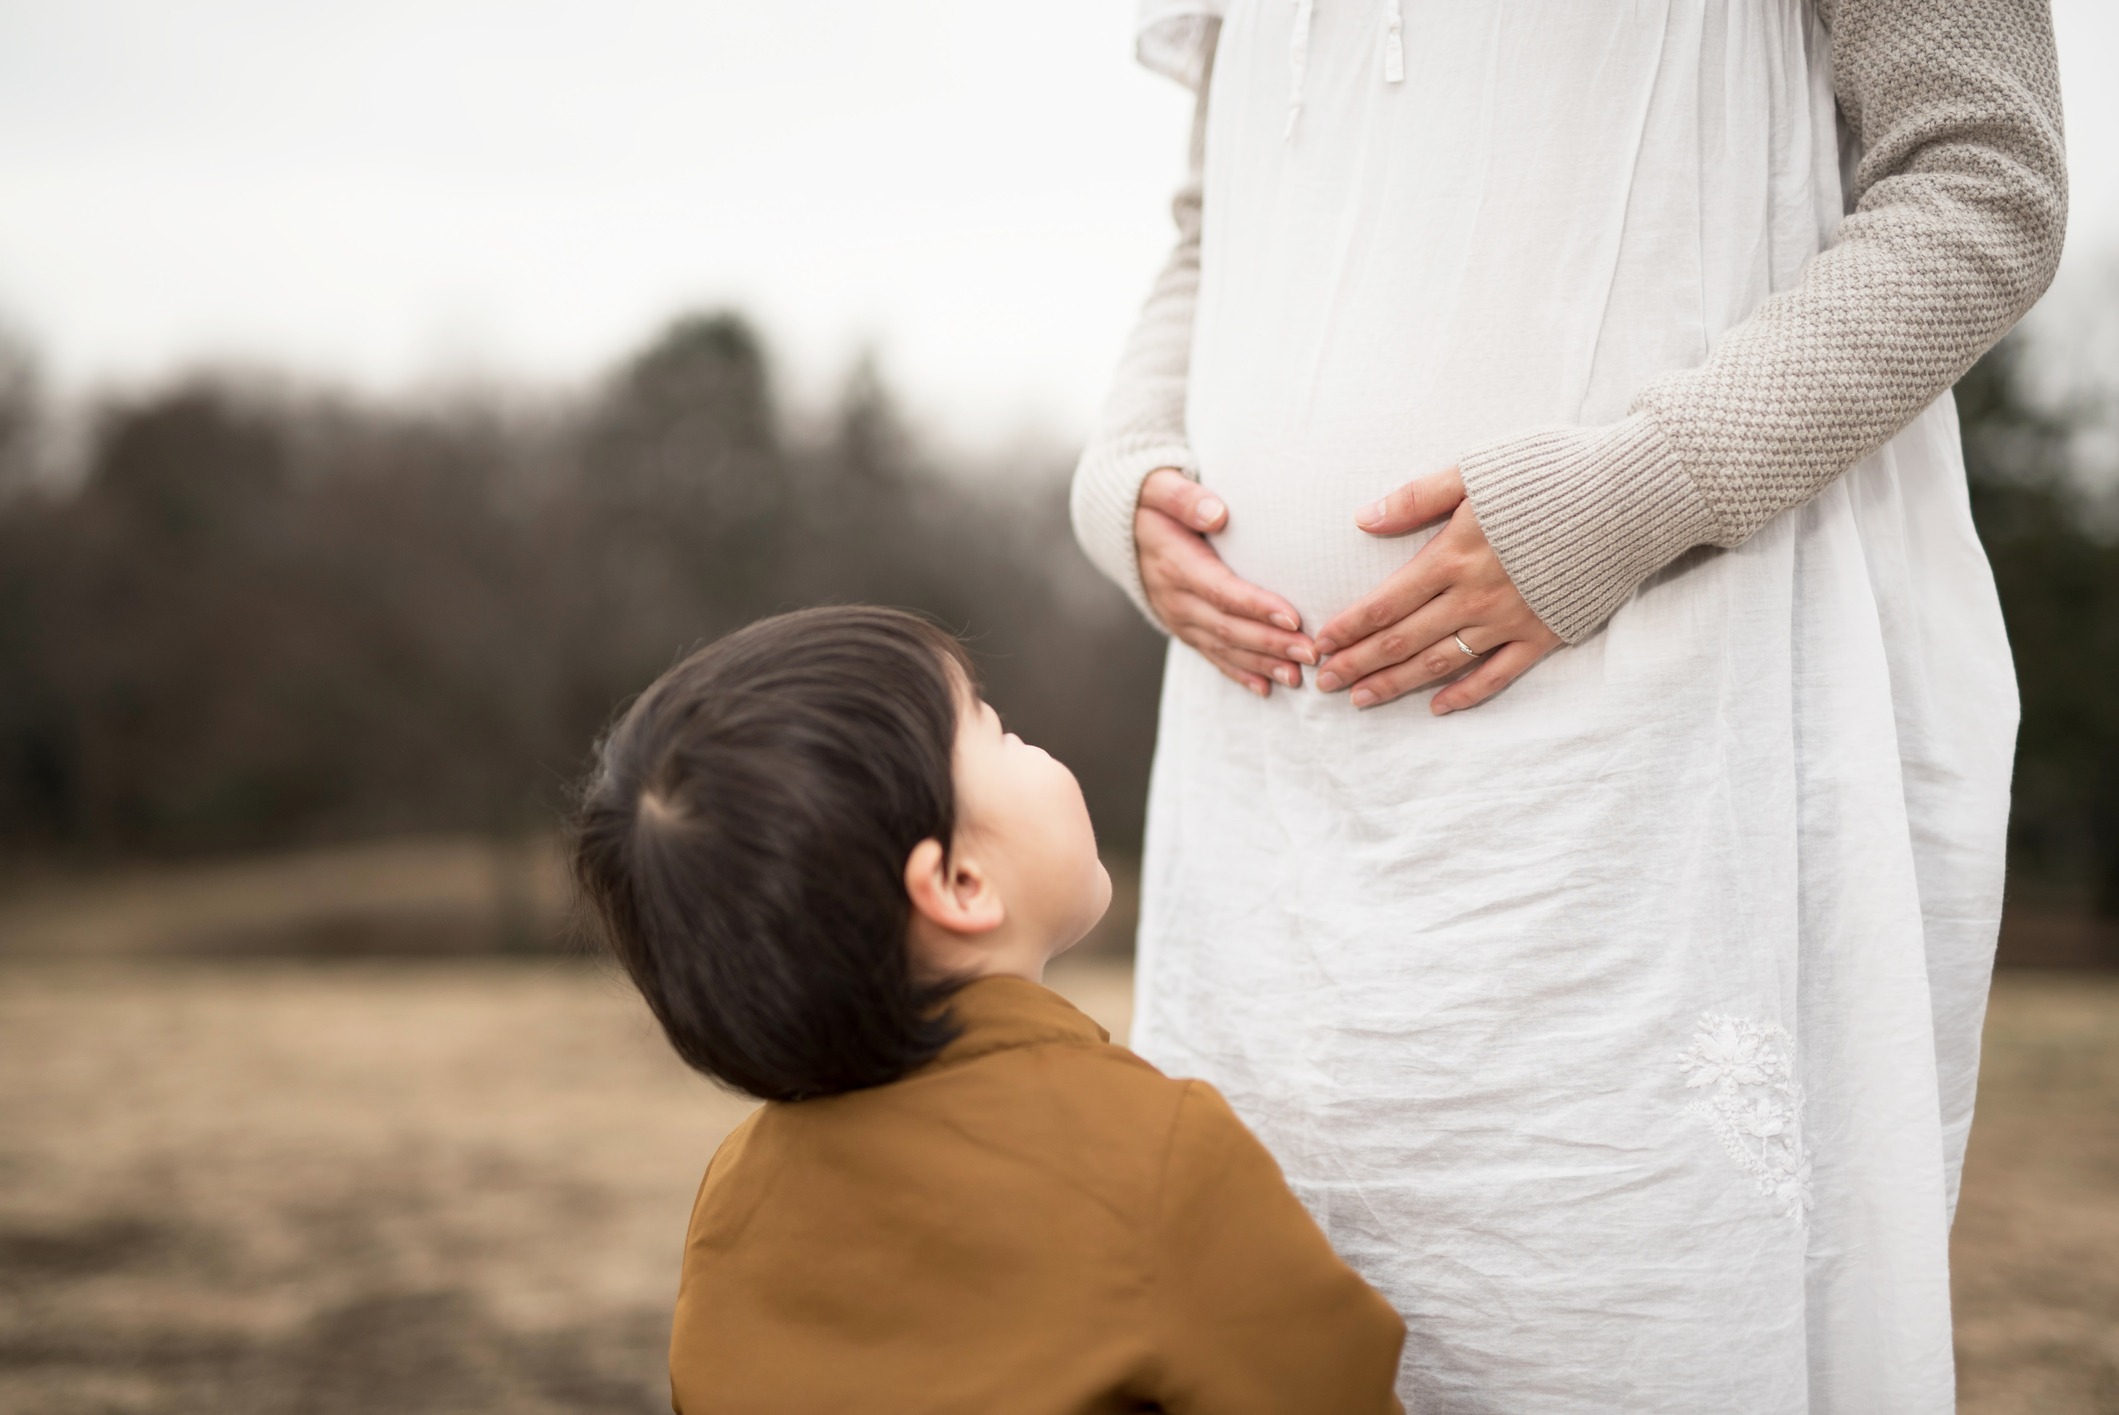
1253, 637
1398, 636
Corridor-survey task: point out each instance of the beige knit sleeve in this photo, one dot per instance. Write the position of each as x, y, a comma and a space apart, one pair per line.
1960, 204
1143, 423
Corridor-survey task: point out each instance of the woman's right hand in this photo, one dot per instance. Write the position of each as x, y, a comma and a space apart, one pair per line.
1254, 638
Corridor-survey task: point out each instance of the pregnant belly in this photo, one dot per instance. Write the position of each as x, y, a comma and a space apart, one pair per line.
1294, 478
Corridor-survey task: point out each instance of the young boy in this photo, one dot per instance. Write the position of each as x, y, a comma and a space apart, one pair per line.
837, 879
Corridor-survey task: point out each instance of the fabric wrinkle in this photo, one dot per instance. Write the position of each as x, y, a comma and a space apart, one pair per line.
1298, 60
1578, 412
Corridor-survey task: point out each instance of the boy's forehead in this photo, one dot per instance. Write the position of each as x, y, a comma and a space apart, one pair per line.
968, 700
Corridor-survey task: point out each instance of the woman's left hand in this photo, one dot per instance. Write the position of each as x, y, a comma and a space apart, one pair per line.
1398, 636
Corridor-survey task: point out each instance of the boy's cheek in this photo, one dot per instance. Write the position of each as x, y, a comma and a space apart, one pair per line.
1068, 784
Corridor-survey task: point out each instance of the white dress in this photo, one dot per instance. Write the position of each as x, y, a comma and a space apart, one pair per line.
1622, 1031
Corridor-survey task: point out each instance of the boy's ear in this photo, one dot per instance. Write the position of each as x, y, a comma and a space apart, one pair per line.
952, 893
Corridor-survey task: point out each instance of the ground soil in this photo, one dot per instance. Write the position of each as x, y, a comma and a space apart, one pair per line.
2035, 1253
243, 1185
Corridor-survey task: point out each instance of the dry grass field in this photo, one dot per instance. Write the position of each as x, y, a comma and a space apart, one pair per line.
249, 1184
330, 1188
2035, 1255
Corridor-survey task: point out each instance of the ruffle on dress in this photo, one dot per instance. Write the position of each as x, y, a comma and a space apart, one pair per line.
1171, 38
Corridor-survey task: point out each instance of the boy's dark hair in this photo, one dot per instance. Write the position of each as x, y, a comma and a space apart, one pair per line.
743, 842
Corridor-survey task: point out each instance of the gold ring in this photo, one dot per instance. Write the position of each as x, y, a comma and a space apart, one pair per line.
1458, 640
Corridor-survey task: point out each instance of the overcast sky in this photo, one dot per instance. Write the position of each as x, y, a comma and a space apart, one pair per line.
390, 193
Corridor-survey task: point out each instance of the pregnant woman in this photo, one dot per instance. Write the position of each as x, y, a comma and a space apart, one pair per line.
1620, 1026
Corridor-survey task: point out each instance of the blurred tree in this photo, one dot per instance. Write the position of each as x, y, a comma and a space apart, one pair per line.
682, 450
266, 619
2059, 583
193, 465
20, 416
870, 441
673, 525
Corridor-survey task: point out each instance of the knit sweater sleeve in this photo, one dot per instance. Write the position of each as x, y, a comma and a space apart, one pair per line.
1959, 205
1143, 423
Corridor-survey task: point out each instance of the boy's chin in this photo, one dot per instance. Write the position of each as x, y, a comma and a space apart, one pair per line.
1096, 905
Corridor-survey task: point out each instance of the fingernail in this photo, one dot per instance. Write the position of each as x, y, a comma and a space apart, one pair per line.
1371, 514
1208, 511
1291, 675
1328, 683
1260, 689
1301, 654
1440, 708
1363, 698
1325, 649
1284, 621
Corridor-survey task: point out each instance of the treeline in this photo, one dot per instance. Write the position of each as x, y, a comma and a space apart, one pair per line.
2054, 545
266, 617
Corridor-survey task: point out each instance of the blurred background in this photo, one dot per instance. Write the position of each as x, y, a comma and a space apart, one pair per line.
388, 392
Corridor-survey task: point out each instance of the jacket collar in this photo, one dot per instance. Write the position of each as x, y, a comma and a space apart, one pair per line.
996, 1014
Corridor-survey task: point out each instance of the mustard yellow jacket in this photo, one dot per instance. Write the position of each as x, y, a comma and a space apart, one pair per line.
1037, 1222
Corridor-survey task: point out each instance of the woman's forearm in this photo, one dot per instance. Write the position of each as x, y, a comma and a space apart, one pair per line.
1960, 205
1143, 422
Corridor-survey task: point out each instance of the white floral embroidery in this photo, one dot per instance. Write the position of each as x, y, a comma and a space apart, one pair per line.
1754, 1107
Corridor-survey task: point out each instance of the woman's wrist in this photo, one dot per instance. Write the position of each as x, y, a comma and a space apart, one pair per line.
1105, 494
1579, 516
